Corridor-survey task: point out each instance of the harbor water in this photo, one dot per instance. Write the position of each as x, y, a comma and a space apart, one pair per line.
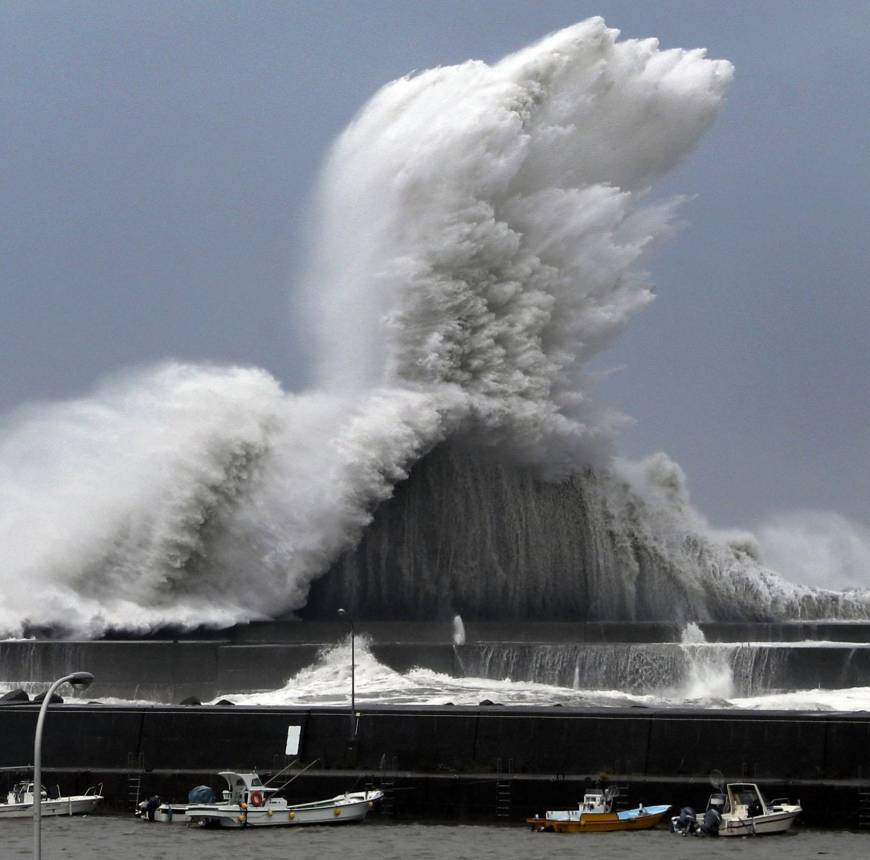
91, 837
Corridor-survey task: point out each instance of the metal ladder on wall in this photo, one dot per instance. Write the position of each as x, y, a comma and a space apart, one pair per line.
134, 789
388, 804
503, 788
864, 808
135, 766
387, 784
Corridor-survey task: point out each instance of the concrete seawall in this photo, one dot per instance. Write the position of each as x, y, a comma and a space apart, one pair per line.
448, 761
172, 671
594, 655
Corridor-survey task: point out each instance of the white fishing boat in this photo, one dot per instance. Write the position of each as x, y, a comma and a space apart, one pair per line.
247, 802
746, 812
738, 809
19, 802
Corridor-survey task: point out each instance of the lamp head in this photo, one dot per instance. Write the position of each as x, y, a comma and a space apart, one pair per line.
342, 613
81, 679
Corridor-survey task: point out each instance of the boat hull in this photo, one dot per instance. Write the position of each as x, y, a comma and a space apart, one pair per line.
600, 822
760, 825
335, 811
170, 813
80, 805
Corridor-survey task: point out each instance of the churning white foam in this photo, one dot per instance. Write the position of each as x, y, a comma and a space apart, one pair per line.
725, 566
481, 228
328, 683
190, 496
709, 673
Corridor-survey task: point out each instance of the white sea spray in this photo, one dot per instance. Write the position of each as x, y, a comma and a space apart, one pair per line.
480, 235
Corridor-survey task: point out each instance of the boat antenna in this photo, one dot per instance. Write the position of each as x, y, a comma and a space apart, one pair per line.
310, 764
283, 770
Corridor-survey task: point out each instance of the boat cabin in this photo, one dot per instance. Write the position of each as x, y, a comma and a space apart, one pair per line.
596, 801
741, 800
242, 787
745, 800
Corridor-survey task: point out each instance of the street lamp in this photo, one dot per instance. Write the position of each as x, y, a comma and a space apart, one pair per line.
77, 679
345, 614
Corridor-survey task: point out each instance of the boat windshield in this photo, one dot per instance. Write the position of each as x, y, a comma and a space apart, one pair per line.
749, 796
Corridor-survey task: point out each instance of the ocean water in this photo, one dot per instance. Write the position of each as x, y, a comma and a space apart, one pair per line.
110, 837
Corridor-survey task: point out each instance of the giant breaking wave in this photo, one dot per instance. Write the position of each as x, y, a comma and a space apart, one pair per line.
480, 231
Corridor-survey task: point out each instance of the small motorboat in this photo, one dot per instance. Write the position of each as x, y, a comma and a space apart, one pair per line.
19, 802
738, 810
247, 802
595, 815
745, 812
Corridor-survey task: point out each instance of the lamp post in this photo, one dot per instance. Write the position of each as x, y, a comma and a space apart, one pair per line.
77, 679
345, 614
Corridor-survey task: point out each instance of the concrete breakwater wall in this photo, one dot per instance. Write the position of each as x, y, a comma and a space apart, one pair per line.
172, 671
752, 669
439, 755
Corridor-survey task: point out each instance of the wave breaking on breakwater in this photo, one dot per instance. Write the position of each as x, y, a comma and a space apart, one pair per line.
327, 683
480, 236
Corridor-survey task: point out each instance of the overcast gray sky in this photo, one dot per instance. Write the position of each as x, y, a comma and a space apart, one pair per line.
155, 160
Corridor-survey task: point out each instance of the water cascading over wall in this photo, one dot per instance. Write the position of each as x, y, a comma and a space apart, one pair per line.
470, 533
723, 670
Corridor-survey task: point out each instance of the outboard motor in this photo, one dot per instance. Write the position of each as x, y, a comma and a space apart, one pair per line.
684, 823
149, 807
713, 815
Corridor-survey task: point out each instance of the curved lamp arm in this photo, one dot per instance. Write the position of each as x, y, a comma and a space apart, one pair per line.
77, 679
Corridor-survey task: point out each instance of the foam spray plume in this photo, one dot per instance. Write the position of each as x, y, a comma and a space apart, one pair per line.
479, 234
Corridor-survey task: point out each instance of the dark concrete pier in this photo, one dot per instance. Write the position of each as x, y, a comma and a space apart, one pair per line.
442, 762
